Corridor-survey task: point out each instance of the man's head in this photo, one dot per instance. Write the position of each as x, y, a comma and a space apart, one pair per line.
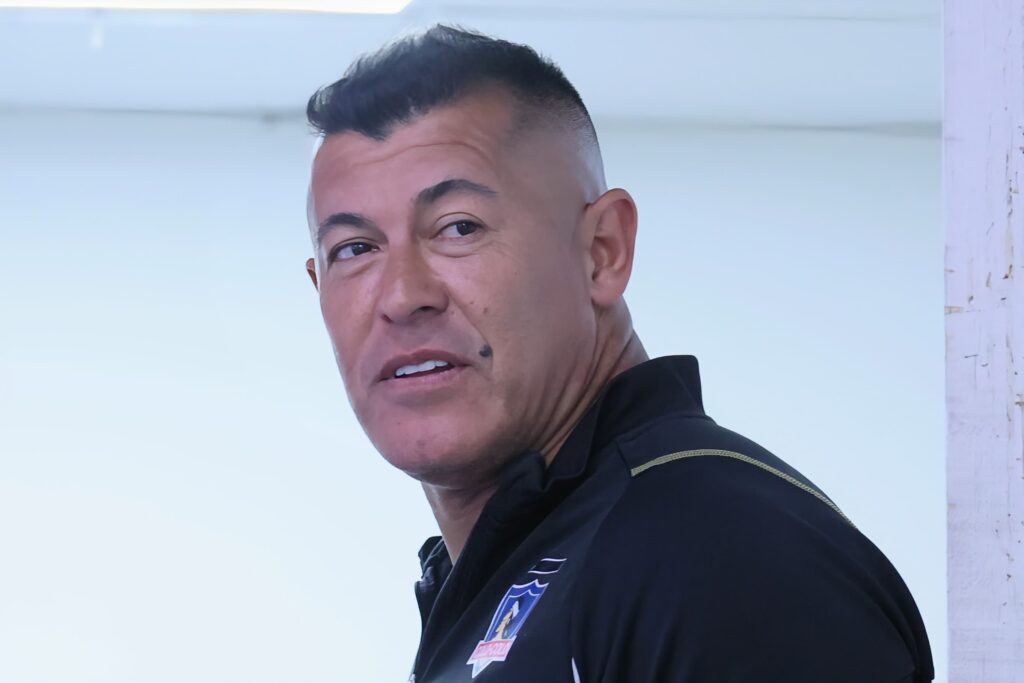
459, 214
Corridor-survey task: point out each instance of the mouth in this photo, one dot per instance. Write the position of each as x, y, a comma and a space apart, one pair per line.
420, 364
430, 367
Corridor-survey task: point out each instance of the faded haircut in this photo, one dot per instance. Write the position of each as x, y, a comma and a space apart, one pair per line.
415, 74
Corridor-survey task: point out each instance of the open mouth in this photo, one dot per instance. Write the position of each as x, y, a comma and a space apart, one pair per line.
430, 367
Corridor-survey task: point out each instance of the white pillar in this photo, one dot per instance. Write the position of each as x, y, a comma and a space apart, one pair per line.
983, 136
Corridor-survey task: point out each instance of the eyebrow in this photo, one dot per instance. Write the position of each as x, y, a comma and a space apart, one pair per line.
425, 197
450, 186
337, 220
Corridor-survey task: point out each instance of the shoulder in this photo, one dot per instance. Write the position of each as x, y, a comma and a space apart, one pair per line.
713, 506
700, 495
723, 553
691, 475
677, 438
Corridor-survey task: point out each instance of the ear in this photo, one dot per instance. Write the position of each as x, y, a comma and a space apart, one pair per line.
311, 269
613, 220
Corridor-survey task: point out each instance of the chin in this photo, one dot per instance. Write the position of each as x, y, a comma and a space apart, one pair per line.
436, 451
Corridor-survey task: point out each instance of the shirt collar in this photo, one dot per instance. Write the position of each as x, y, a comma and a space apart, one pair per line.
669, 385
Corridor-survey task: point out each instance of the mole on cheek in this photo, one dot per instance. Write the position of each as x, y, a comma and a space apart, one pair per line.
485, 351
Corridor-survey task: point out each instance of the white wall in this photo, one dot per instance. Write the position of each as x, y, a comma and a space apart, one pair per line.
184, 493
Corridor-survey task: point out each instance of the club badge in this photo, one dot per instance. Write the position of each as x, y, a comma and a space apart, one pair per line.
512, 611
510, 616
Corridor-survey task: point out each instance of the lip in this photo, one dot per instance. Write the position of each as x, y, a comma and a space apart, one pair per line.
387, 373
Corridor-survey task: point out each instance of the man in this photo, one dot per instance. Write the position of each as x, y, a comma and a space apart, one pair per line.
596, 525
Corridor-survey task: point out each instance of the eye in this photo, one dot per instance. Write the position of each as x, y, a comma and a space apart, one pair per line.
345, 252
460, 229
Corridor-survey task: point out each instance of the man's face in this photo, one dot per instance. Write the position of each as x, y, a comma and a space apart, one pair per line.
452, 241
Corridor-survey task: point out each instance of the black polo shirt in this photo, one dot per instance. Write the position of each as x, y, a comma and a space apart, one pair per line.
659, 546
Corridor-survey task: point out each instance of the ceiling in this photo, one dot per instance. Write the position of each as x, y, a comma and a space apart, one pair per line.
829, 63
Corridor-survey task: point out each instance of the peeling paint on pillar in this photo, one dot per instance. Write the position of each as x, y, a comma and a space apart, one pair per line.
983, 131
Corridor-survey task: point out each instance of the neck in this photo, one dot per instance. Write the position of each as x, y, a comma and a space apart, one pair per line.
457, 511
628, 354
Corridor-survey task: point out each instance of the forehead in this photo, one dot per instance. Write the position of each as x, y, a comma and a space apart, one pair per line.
472, 134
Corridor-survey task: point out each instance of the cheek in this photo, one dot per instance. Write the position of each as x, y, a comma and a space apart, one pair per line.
526, 303
347, 324
553, 287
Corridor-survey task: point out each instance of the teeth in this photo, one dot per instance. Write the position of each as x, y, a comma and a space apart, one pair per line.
422, 367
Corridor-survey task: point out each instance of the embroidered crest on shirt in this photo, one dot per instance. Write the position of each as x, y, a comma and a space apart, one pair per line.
508, 619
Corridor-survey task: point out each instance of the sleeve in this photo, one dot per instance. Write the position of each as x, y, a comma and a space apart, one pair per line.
705, 583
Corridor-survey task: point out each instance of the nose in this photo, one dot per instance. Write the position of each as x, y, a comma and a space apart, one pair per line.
410, 289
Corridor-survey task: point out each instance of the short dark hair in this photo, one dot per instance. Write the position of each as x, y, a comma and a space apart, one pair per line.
411, 76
